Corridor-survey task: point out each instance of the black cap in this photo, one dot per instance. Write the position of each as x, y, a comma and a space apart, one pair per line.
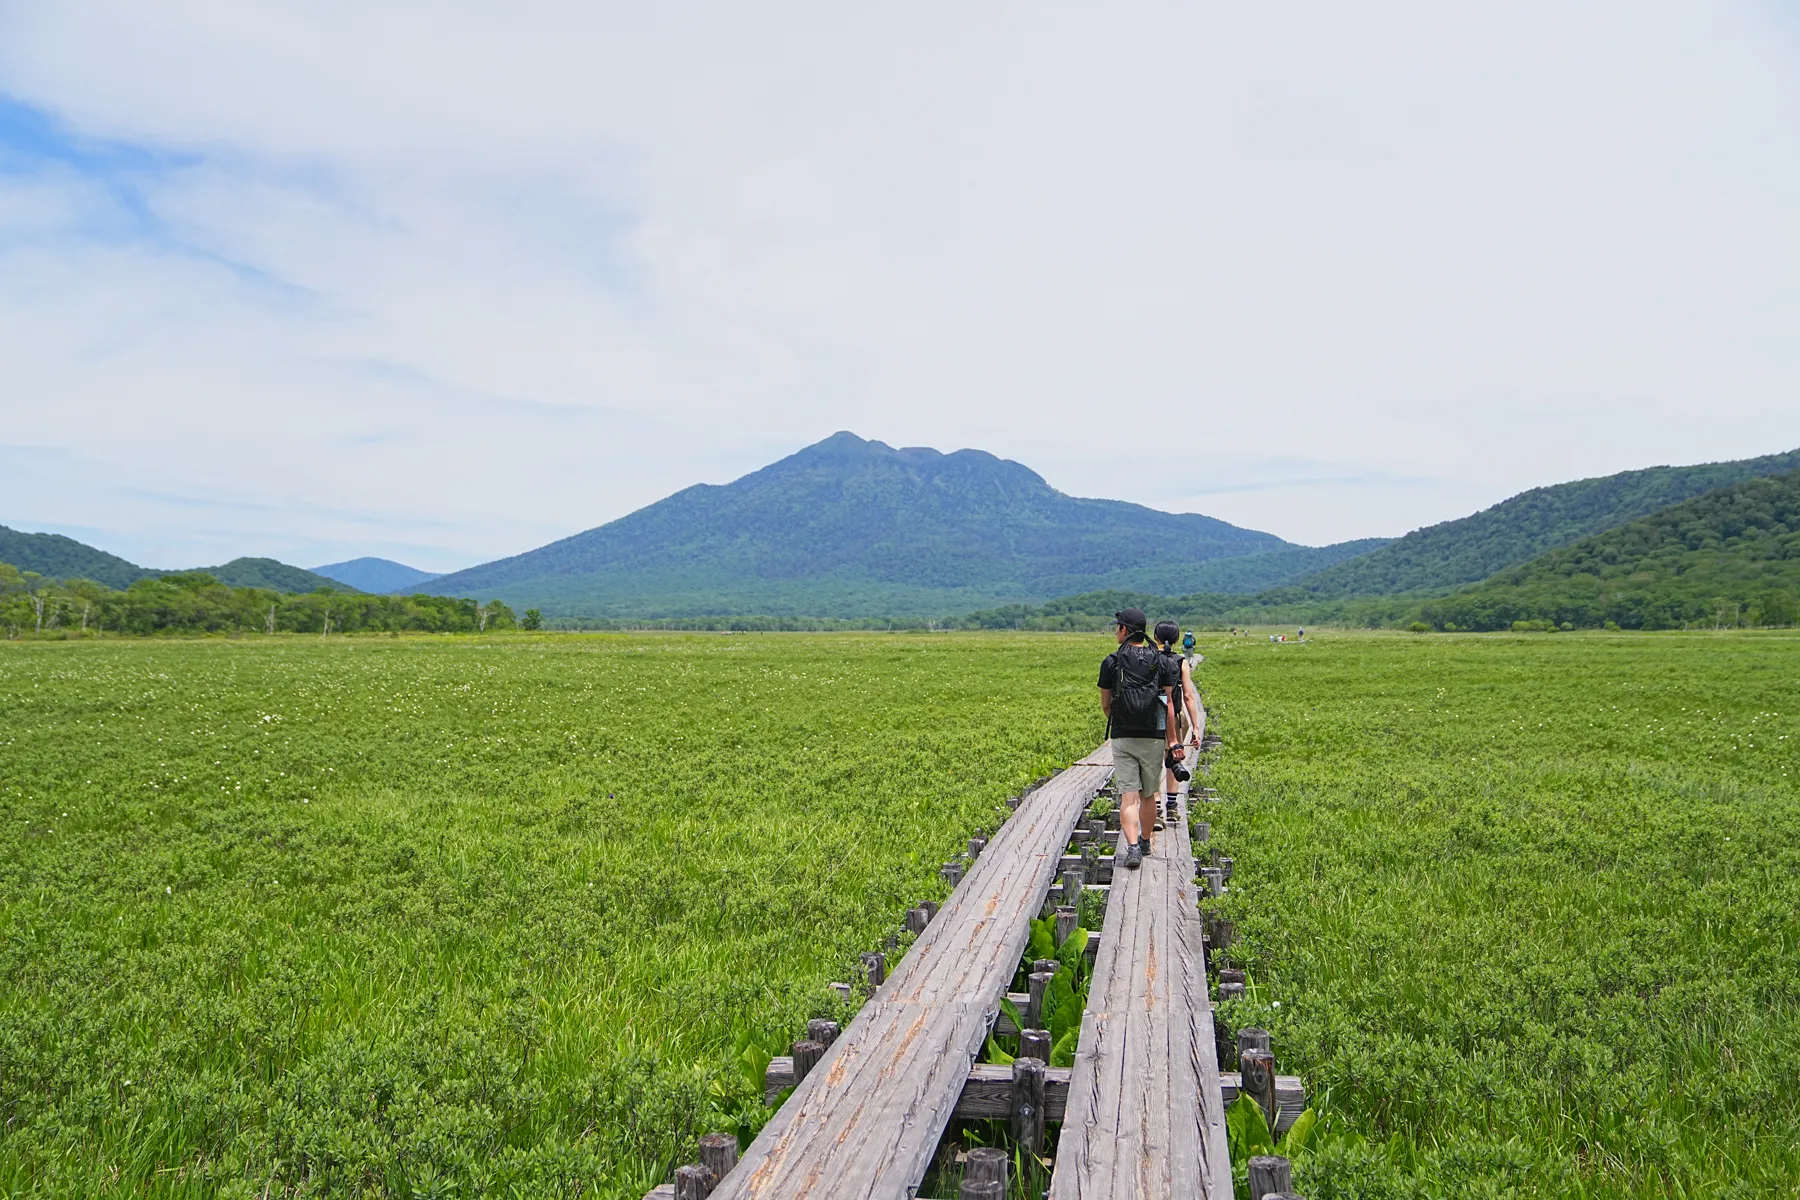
1131, 618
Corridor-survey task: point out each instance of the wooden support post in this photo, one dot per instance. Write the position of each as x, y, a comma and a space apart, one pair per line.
917, 919
978, 1189
1202, 831
1218, 932
1012, 802
1252, 1038
986, 1166
1225, 866
1270, 1175
821, 1031
875, 962
1028, 1103
718, 1153
1215, 880
1231, 975
976, 845
694, 1182
952, 873
806, 1056
1071, 888
1035, 1043
1230, 991
1066, 920
1256, 1069
931, 909
1034, 1009
1049, 965
1096, 828
892, 943
844, 992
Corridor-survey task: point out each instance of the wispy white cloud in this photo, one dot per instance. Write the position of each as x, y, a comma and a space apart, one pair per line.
488, 275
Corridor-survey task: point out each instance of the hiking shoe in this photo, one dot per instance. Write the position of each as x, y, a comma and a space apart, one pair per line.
1134, 858
1143, 847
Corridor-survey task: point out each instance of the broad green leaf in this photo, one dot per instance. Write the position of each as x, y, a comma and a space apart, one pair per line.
1247, 1131
1062, 1053
996, 1055
1299, 1137
1012, 1013
1069, 954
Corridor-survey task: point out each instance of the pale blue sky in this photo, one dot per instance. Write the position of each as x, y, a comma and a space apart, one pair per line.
444, 282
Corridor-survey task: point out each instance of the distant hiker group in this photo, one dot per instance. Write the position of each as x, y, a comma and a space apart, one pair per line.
1152, 715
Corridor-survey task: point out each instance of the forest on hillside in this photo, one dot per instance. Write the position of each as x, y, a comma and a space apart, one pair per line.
195, 602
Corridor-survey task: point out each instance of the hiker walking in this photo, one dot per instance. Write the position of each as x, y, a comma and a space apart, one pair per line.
1136, 685
1185, 709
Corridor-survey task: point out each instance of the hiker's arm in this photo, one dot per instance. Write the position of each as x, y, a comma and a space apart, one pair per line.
1106, 702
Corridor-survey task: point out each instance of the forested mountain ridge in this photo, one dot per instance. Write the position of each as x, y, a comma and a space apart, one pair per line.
855, 528
57, 557
1469, 549
268, 573
1730, 555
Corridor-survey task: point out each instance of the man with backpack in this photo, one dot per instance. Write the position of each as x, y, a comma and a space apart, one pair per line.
1136, 687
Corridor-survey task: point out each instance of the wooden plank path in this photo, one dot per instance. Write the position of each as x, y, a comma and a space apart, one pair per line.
867, 1119
1145, 1116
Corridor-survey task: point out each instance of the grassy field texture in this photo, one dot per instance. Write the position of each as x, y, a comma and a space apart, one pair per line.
1524, 911
419, 918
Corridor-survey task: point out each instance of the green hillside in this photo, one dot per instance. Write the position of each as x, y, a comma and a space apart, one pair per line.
1243, 574
1729, 557
1514, 531
269, 573
59, 557
856, 529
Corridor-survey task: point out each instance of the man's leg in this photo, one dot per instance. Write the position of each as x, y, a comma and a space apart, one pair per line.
1130, 816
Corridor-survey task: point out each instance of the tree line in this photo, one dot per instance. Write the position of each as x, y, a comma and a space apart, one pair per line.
194, 602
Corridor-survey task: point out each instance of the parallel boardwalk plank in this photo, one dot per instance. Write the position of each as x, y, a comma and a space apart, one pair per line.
1144, 1116
867, 1119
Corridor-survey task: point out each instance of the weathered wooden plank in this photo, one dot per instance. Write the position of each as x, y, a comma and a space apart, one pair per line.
1145, 1117
867, 1119
987, 1094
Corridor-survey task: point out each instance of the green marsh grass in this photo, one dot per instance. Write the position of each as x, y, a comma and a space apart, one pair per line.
1523, 910
423, 917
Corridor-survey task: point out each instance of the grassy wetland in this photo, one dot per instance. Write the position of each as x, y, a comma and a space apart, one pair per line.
413, 918
1524, 911
422, 917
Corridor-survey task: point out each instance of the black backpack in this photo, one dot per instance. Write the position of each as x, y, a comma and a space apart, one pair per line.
1137, 694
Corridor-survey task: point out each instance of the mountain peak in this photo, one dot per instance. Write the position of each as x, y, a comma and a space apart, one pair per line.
852, 527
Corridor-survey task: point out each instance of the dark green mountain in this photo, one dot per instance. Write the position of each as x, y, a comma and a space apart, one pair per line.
59, 557
377, 576
1730, 556
852, 528
1442, 557
268, 573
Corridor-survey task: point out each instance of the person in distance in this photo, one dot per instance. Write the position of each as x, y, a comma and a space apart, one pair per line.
1186, 707
1136, 685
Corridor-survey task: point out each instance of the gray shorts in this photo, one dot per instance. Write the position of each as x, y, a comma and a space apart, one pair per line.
1138, 764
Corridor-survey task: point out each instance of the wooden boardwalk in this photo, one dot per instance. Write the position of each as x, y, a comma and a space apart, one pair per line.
1142, 1110
1145, 1117
867, 1119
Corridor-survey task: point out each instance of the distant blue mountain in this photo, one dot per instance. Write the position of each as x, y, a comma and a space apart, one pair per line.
376, 575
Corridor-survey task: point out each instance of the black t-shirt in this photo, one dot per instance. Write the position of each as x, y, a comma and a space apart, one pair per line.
1169, 677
